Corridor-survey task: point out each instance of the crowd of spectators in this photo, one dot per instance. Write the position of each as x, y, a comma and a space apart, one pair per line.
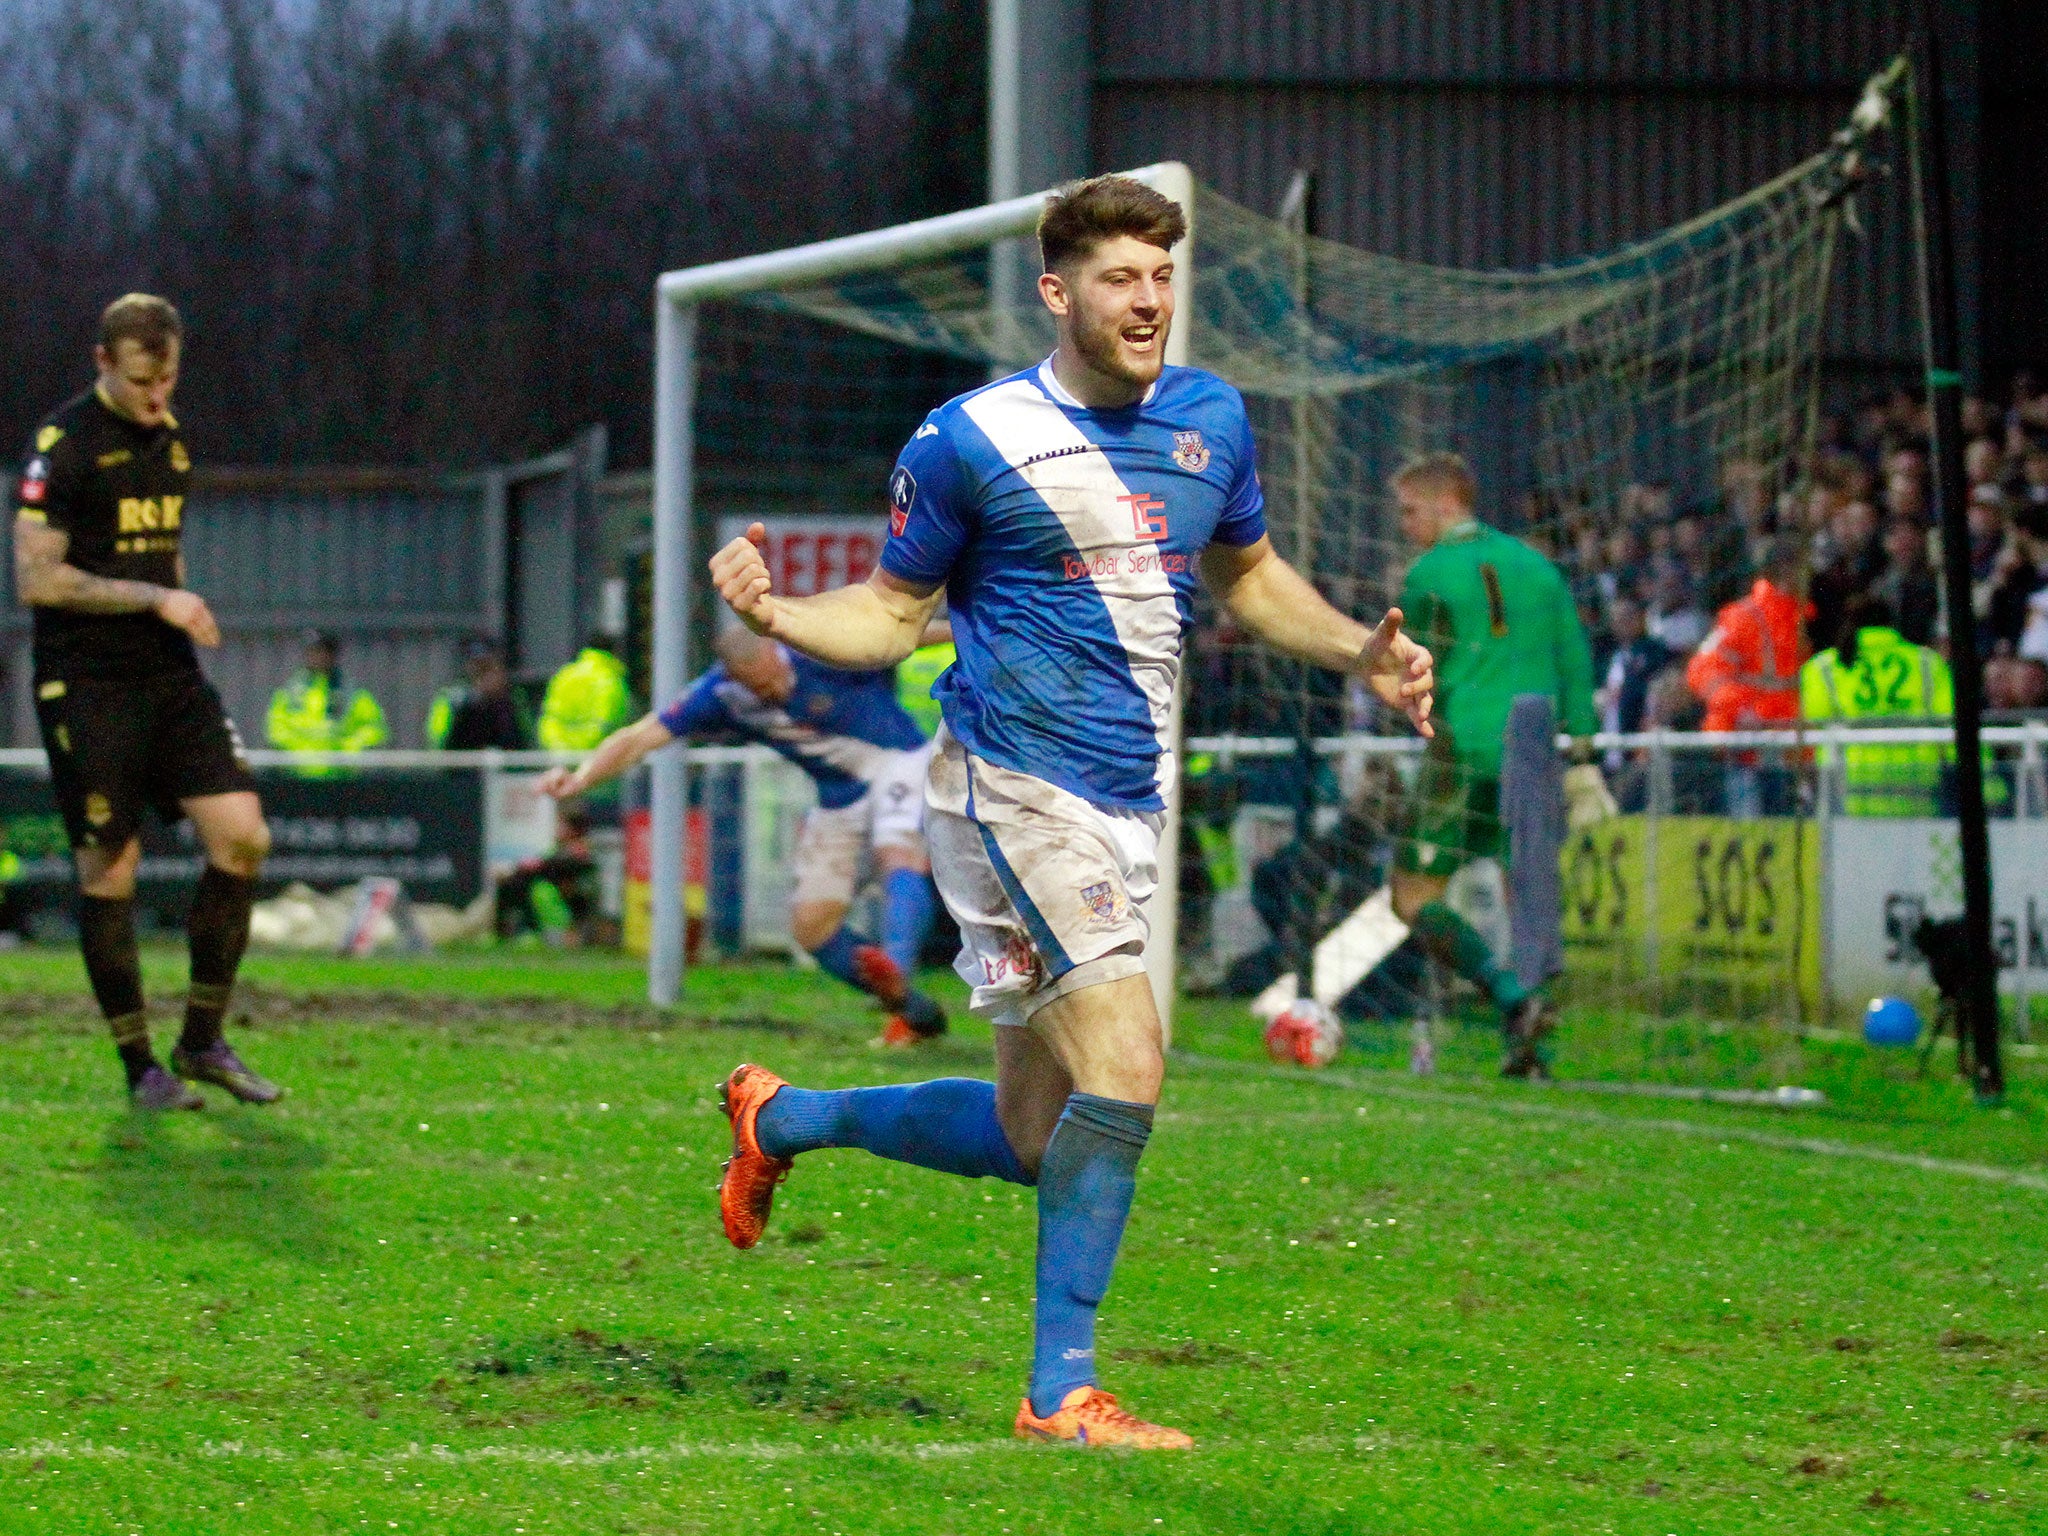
1654, 579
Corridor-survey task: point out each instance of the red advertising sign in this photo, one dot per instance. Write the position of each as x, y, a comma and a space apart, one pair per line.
815, 554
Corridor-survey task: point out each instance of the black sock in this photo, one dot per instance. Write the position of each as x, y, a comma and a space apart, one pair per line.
106, 937
217, 932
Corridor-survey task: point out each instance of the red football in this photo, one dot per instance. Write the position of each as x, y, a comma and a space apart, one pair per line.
1304, 1034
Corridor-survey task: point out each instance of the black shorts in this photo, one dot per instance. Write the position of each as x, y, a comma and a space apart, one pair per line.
117, 747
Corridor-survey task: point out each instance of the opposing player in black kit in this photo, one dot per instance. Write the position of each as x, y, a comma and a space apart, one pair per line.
127, 717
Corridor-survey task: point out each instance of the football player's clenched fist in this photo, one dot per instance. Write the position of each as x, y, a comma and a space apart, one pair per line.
741, 576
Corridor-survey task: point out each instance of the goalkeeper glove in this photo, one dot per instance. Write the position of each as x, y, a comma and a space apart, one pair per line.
1586, 799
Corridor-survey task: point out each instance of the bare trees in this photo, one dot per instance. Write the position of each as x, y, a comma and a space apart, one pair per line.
423, 230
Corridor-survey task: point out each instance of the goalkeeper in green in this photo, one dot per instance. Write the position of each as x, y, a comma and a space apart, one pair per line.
1500, 620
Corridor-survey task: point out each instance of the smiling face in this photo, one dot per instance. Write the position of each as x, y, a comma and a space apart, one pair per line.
1114, 309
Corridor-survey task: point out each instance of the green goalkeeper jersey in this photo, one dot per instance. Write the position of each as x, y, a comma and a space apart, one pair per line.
1500, 621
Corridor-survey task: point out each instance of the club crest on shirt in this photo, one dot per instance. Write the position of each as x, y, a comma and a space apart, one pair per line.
902, 497
1101, 900
35, 479
1190, 452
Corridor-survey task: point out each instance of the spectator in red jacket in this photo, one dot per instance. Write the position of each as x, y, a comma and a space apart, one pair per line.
1746, 672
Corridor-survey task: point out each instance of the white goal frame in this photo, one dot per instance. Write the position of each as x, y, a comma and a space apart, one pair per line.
677, 296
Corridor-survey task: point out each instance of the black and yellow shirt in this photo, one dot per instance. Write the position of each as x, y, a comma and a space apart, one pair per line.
118, 489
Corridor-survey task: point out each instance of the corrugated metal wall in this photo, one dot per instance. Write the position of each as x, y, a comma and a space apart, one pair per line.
397, 564
1669, 43
1510, 134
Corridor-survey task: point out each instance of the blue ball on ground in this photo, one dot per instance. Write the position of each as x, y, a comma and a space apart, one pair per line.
1891, 1021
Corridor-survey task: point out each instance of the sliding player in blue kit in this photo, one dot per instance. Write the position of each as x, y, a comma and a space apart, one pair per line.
1064, 513
866, 757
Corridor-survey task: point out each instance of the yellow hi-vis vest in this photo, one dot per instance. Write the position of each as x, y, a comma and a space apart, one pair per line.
916, 675
1893, 680
586, 701
309, 714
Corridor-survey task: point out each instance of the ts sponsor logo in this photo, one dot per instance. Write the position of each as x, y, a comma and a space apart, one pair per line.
902, 497
35, 480
1190, 452
1148, 514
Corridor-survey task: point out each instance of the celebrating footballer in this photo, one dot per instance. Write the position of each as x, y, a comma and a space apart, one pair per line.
1065, 514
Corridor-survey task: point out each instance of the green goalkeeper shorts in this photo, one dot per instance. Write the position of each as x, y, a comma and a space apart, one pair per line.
1452, 817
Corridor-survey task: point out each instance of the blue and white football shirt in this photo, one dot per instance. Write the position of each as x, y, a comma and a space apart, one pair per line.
841, 728
1069, 543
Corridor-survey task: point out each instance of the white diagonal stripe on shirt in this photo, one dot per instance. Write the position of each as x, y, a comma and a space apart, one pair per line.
1075, 479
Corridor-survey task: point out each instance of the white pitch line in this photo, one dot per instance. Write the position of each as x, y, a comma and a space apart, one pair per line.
1815, 1145
532, 1455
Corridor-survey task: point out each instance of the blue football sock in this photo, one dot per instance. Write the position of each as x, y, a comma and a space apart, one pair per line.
1085, 1186
906, 916
949, 1125
836, 954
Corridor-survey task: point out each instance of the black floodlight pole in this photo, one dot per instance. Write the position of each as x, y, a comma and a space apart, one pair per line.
1945, 395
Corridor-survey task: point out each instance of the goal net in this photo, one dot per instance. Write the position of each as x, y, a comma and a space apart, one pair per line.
1643, 409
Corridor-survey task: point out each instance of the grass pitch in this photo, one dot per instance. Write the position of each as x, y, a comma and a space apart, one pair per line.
469, 1278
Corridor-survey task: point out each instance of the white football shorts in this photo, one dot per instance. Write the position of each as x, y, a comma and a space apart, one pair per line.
832, 847
1040, 881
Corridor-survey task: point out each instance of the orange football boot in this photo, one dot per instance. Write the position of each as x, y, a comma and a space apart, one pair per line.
747, 1192
898, 1034
1090, 1416
880, 976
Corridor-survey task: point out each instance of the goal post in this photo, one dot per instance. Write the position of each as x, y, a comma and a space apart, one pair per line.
679, 297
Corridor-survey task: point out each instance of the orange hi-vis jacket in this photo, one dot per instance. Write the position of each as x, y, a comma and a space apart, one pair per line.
1747, 669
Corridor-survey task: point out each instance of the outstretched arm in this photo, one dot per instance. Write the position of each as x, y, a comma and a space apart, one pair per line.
618, 752
1271, 599
859, 628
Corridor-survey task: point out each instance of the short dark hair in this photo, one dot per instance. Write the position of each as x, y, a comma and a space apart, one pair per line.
1864, 610
1085, 214
1440, 472
143, 318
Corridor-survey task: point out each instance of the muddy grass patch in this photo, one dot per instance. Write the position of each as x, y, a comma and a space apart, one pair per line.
636, 1371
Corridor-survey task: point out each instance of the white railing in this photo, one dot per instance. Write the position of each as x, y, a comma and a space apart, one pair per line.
2034, 734
2032, 737
412, 760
